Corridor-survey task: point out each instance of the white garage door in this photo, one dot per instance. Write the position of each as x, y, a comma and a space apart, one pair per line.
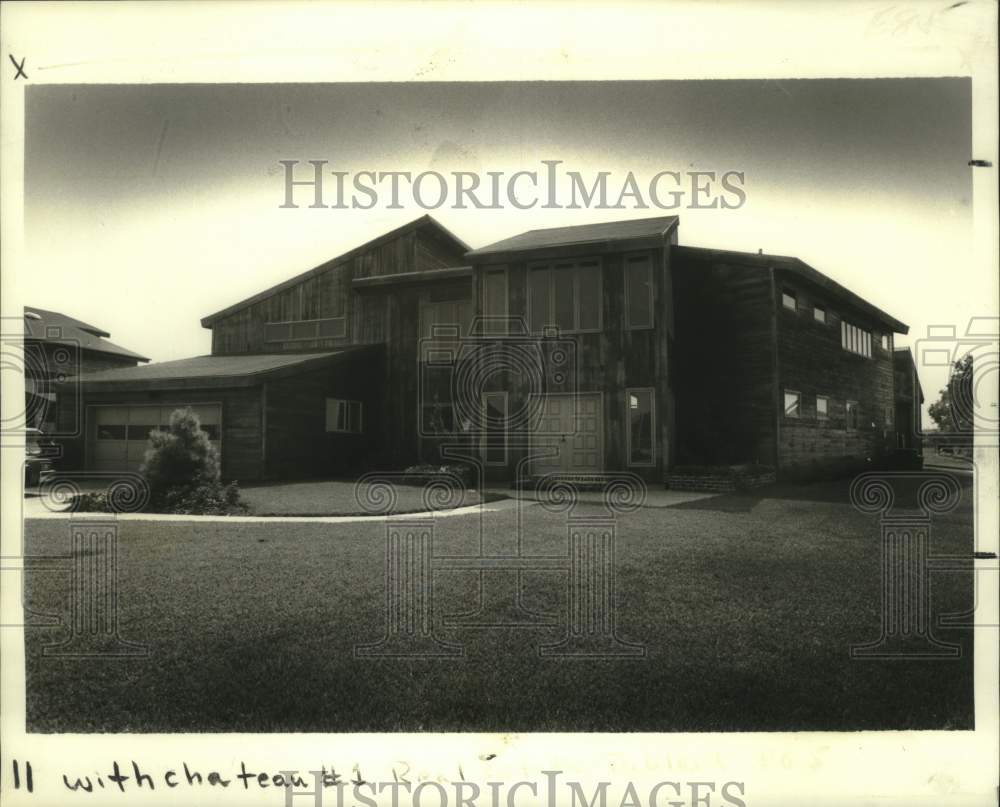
119, 434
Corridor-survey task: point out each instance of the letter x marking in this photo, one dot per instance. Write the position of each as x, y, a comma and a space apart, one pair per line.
19, 67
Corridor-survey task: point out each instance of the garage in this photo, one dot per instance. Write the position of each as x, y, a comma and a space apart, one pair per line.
118, 435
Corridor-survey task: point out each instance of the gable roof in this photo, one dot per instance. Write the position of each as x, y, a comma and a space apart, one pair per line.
803, 270
425, 221
54, 328
212, 371
606, 233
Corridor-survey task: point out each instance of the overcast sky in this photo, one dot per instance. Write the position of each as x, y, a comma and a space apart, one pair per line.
149, 206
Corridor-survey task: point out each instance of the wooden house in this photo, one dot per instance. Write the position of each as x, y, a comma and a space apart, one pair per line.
579, 350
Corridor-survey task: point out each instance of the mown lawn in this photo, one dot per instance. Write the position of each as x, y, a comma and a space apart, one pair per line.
347, 498
747, 607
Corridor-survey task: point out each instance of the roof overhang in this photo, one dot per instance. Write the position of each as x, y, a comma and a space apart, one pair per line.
225, 381
405, 278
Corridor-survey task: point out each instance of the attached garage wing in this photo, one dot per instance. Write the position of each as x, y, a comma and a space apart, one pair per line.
118, 435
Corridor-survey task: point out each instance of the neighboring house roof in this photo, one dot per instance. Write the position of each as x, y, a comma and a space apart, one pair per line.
54, 328
416, 224
805, 271
213, 371
608, 232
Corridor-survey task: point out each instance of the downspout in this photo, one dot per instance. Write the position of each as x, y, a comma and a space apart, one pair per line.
263, 430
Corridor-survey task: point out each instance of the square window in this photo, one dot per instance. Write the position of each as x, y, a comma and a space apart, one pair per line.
788, 300
819, 314
822, 407
343, 416
793, 404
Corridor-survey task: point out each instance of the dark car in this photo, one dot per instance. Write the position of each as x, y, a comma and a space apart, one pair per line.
37, 460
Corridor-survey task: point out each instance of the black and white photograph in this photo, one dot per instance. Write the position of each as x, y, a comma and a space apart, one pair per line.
532, 416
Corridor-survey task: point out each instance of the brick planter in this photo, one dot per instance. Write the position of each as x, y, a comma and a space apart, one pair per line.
719, 480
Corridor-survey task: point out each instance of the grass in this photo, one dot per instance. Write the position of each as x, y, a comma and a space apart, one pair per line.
340, 498
747, 615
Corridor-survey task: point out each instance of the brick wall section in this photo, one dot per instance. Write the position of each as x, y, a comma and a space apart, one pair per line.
812, 362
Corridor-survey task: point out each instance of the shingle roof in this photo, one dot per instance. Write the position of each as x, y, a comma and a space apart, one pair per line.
58, 329
215, 371
601, 233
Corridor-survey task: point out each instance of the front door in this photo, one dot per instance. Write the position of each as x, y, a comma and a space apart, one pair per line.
570, 430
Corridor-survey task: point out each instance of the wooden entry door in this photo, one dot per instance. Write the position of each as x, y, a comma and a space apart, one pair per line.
573, 426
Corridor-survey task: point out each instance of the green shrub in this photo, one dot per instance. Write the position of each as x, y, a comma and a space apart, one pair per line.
182, 469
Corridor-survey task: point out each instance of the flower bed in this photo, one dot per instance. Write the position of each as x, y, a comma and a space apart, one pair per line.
455, 475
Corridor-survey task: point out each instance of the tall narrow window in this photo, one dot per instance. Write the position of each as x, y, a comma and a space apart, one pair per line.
589, 296
495, 301
638, 292
562, 298
822, 407
539, 299
640, 427
851, 415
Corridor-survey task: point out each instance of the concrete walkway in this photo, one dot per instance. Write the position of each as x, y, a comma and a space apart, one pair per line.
655, 497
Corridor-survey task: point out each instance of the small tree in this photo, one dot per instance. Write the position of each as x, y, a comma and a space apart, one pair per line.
953, 411
182, 469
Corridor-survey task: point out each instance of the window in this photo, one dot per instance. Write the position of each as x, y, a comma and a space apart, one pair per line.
495, 432
822, 407
638, 292
138, 431
111, 431
343, 416
788, 300
567, 296
793, 403
819, 314
855, 340
330, 328
885, 341
495, 302
641, 446
851, 415
888, 415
